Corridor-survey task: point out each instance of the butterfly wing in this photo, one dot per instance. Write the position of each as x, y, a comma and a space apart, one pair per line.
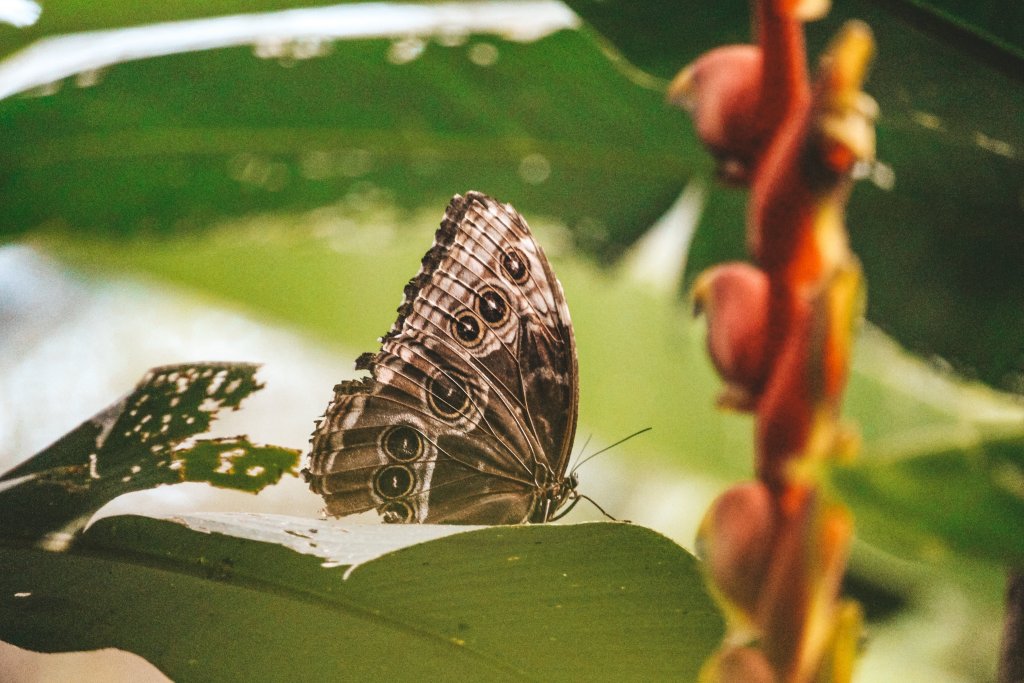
469, 412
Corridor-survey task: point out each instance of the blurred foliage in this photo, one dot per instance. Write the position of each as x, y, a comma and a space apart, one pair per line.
627, 337
169, 144
659, 37
226, 133
983, 482
996, 22
282, 183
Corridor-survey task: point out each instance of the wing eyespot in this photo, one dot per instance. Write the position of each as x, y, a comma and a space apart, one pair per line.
394, 481
467, 329
396, 512
493, 307
403, 443
447, 398
515, 265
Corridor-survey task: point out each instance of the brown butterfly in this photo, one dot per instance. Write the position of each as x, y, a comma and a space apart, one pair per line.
470, 410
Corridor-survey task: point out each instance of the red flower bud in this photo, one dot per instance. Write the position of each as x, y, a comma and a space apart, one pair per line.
739, 95
734, 300
735, 541
737, 665
721, 91
798, 415
795, 220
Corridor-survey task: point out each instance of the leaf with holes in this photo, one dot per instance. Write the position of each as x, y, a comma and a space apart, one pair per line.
142, 441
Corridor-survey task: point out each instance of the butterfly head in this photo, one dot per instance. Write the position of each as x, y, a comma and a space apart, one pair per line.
554, 495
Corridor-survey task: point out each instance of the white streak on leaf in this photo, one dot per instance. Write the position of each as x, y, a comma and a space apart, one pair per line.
339, 543
51, 60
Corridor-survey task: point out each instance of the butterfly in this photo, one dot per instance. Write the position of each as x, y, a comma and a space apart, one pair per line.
469, 412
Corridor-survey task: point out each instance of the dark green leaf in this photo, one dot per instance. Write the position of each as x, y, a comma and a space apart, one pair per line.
998, 23
967, 500
504, 603
175, 143
660, 37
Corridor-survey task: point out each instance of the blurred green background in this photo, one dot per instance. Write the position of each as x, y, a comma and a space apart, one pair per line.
261, 188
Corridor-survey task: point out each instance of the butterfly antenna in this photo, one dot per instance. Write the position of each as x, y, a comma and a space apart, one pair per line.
608, 448
582, 451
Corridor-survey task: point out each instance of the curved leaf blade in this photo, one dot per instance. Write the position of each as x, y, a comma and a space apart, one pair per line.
504, 603
174, 143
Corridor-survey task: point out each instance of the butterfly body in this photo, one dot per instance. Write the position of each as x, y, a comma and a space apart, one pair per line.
469, 412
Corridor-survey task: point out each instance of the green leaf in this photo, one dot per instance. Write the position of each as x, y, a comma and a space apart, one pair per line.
83, 15
235, 463
175, 143
139, 443
503, 603
661, 37
966, 499
941, 469
996, 22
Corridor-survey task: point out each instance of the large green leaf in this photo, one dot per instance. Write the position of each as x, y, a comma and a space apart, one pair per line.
504, 603
173, 143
